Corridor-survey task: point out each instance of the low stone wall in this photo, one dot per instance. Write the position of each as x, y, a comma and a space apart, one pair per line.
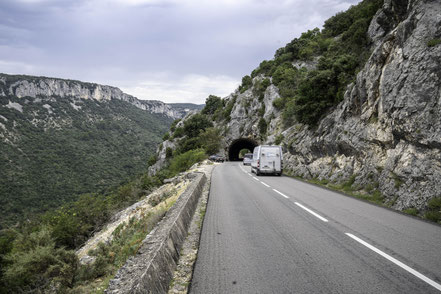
151, 270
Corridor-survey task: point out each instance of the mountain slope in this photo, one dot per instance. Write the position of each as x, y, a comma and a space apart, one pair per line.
61, 138
355, 105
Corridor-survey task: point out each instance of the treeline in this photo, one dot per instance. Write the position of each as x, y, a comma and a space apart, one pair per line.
57, 153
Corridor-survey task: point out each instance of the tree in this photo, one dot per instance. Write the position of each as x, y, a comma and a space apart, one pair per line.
195, 124
212, 103
211, 140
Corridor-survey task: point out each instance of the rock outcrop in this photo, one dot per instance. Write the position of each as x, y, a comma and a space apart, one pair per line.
28, 86
386, 132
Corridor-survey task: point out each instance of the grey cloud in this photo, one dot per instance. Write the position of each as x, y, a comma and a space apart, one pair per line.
83, 39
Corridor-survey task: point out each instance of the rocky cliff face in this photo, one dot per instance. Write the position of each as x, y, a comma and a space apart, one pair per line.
385, 135
27, 86
386, 132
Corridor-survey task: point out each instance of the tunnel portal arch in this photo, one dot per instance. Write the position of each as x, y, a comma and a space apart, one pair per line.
239, 144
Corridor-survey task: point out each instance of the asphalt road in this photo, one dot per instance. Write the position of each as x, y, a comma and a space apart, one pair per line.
279, 235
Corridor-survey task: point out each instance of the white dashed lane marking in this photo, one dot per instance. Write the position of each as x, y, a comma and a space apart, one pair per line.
311, 212
265, 184
278, 192
397, 262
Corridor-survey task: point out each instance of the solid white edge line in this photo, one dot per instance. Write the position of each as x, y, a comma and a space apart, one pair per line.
265, 184
278, 192
311, 212
397, 262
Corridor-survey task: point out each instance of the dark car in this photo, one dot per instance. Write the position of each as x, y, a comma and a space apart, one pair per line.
216, 158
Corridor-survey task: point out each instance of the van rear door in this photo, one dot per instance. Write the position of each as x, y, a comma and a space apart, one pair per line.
270, 161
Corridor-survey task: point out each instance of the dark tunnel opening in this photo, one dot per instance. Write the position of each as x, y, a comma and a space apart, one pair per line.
239, 144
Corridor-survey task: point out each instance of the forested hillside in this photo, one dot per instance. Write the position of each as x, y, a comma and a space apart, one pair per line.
55, 148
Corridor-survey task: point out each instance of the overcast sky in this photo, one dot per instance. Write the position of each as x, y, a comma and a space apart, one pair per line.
169, 50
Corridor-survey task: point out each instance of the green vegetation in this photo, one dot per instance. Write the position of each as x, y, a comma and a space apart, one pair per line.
347, 188
247, 82
243, 152
339, 50
229, 108
260, 88
433, 42
398, 182
212, 103
279, 139
411, 211
42, 253
262, 125
195, 124
53, 157
127, 239
434, 210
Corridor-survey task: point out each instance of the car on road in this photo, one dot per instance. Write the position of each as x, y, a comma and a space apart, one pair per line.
247, 159
267, 159
216, 158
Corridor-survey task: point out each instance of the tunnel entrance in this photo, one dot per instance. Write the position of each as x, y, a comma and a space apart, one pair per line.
239, 144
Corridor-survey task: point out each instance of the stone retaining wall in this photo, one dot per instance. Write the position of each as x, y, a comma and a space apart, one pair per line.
151, 270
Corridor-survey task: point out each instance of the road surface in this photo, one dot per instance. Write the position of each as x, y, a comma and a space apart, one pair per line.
279, 235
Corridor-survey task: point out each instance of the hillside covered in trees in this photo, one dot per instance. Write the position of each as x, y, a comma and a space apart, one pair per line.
55, 148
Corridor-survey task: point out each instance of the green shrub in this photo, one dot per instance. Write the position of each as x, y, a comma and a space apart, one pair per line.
377, 196
188, 143
212, 103
433, 42
316, 94
166, 136
168, 152
229, 108
261, 111
398, 182
262, 125
434, 203
184, 161
211, 140
173, 125
347, 186
260, 88
289, 113
434, 216
35, 262
412, 211
279, 139
265, 68
279, 103
178, 133
196, 124
152, 160
247, 82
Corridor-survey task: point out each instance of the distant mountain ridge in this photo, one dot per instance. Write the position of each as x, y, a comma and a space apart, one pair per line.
32, 86
62, 138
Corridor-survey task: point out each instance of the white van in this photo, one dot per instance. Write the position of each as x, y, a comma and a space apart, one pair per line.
267, 160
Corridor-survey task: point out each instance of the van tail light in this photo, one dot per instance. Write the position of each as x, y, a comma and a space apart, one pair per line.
258, 163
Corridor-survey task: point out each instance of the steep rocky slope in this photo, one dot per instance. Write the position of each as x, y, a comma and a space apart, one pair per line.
383, 139
386, 132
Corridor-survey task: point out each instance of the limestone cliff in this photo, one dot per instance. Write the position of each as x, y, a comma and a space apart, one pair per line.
386, 132
29, 86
